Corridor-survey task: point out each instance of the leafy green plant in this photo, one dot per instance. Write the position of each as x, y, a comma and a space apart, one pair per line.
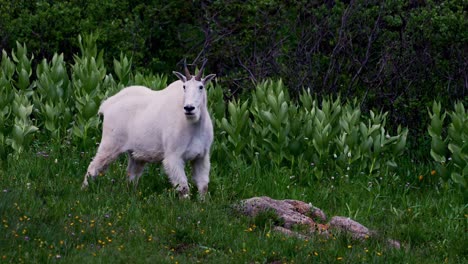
123, 69
438, 144
16, 126
23, 67
152, 81
217, 108
53, 96
4, 126
458, 144
271, 128
216, 101
322, 128
235, 135
449, 144
91, 85
6, 97
23, 127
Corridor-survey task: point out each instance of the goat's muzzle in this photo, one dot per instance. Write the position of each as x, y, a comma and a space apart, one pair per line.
189, 110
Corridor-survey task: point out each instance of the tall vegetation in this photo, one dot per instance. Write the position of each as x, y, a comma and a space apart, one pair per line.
335, 138
393, 55
329, 137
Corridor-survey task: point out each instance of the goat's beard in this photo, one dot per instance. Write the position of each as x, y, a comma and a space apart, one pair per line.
193, 117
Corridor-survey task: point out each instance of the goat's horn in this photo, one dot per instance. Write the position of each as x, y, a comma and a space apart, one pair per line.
187, 73
200, 72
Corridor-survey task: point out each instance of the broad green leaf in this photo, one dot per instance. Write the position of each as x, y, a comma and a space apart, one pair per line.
272, 101
363, 129
437, 157
438, 146
457, 178
269, 117
23, 79
283, 112
392, 164
401, 143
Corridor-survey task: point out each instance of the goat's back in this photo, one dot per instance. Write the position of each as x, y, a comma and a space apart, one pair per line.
130, 97
150, 123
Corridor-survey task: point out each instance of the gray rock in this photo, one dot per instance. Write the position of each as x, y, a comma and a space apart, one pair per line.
294, 212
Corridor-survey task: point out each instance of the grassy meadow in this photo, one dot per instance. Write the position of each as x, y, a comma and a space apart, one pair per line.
47, 218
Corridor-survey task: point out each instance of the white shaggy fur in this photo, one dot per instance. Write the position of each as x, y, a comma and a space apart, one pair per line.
171, 126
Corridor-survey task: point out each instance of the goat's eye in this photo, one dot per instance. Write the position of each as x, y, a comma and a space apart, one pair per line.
201, 87
184, 87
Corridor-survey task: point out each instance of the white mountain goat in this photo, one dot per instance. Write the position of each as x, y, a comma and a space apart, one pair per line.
172, 125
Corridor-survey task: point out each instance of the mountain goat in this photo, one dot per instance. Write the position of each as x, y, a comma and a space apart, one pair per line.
172, 125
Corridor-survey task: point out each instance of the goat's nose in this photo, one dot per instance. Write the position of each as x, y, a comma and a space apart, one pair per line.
189, 108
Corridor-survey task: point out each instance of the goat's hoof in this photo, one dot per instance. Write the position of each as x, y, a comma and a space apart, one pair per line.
184, 193
84, 186
201, 197
202, 193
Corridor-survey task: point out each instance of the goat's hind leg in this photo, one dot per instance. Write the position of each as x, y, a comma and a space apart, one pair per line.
134, 169
99, 164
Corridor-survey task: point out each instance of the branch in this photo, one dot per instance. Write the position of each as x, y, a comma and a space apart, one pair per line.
339, 44
370, 41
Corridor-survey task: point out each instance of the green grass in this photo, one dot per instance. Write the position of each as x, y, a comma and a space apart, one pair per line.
46, 217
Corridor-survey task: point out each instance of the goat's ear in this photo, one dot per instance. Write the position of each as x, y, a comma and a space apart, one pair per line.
180, 76
208, 78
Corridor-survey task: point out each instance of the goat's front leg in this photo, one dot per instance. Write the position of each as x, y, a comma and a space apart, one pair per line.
174, 167
201, 174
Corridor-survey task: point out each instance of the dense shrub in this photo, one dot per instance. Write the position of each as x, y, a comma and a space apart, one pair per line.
334, 138
393, 55
154, 34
